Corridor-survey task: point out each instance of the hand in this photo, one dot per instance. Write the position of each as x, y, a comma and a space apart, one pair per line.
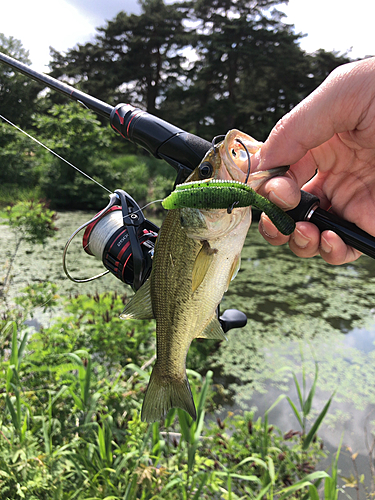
329, 141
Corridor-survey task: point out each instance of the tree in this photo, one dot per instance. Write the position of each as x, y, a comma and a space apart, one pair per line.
76, 135
134, 57
246, 68
17, 92
249, 69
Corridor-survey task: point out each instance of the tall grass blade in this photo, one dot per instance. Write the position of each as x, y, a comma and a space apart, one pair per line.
250, 459
299, 393
56, 396
183, 418
280, 398
204, 392
307, 404
313, 492
266, 437
170, 417
24, 428
102, 443
201, 486
295, 411
271, 469
14, 353
15, 420
315, 427
131, 488
303, 483
263, 492
47, 441
86, 390
77, 400
21, 349
171, 484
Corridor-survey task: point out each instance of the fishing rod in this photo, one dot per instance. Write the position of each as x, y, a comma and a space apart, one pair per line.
184, 152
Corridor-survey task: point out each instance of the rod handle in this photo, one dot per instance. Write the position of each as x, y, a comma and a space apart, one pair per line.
308, 209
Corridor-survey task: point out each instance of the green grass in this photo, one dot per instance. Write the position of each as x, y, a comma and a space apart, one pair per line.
70, 428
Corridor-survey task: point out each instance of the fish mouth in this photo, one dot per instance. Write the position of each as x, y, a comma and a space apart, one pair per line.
236, 155
237, 151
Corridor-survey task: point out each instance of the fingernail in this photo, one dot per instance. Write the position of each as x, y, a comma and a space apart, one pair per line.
272, 196
268, 228
300, 240
324, 245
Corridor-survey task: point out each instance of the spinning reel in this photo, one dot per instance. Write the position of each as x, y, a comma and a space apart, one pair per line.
122, 238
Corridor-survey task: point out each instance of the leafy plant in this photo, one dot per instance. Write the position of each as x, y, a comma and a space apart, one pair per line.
305, 406
32, 221
71, 427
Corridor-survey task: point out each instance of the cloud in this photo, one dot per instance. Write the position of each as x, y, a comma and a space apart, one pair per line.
99, 11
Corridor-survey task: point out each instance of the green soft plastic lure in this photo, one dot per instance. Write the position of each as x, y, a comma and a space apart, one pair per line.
220, 194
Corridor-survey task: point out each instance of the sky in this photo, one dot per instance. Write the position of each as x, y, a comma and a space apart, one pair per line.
346, 27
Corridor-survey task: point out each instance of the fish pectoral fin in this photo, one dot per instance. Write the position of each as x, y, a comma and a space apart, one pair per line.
213, 330
236, 264
140, 305
202, 264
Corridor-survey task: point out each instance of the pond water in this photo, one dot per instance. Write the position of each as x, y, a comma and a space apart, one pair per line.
299, 312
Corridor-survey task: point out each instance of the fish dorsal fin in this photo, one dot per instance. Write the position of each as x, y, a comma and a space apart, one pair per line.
201, 264
236, 264
140, 305
213, 330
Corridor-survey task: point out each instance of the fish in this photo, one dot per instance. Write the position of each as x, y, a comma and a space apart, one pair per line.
197, 254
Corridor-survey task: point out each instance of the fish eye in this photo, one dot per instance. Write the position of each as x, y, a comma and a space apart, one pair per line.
205, 170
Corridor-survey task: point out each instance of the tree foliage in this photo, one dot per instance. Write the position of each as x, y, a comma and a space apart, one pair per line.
134, 57
207, 66
17, 92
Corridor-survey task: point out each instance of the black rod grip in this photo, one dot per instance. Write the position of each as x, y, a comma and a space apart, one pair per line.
351, 234
308, 209
158, 137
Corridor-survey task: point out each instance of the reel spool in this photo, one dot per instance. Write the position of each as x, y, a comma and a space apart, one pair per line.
122, 238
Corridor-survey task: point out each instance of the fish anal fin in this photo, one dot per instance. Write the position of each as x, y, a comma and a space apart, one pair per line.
202, 264
213, 330
162, 395
140, 305
236, 264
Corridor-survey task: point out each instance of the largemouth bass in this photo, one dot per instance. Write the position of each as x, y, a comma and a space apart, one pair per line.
197, 254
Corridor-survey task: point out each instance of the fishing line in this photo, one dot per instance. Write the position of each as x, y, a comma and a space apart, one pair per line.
54, 153
148, 204
248, 159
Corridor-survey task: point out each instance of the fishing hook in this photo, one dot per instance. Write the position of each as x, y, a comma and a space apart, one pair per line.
214, 141
229, 209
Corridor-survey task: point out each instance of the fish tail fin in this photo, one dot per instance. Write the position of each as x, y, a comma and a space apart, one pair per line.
162, 395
